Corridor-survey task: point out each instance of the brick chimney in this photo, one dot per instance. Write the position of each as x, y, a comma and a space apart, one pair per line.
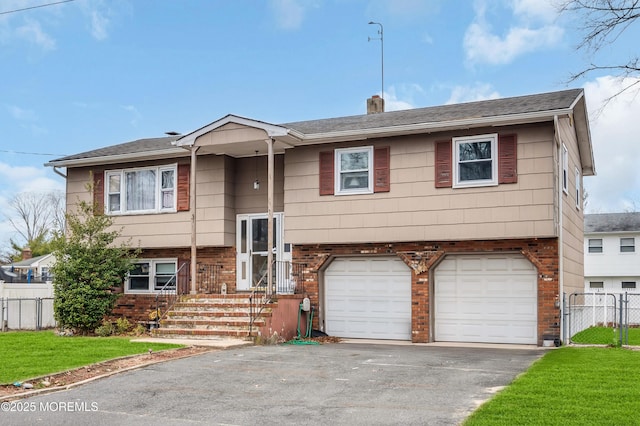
375, 105
26, 253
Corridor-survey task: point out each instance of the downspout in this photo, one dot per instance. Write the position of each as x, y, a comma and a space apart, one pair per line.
192, 204
560, 226
270, 188
58, 172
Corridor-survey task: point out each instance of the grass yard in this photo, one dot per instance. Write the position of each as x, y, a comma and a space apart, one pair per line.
29, 354
605, 336
570, 386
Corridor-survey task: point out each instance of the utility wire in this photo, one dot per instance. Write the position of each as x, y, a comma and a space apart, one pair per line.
31, 153
35, 7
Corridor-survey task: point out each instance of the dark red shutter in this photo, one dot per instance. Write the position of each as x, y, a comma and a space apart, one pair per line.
507, 159
183, 187
443, 165
326, 173
381, 170
98, 192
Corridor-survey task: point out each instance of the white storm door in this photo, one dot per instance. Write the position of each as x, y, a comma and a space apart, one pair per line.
252, 248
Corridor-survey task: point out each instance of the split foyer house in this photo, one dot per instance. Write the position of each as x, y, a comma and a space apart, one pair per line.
455, 223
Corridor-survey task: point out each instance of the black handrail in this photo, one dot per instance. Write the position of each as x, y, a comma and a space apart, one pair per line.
171, 290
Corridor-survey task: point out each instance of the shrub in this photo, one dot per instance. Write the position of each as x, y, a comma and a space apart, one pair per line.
88, 266
105, 330
123, 325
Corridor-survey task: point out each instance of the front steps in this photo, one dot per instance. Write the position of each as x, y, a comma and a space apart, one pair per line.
209, 316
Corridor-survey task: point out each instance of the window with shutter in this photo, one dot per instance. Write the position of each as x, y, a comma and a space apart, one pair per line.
360, 170
483, 160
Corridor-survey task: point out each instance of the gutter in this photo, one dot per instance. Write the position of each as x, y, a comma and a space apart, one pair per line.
120, 158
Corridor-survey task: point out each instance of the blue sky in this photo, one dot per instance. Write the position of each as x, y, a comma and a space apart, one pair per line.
90, 73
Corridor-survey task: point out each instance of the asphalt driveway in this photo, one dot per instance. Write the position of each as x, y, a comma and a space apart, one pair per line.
331, 384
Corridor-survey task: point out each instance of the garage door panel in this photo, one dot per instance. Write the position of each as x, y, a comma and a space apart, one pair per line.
486, 298
368, 298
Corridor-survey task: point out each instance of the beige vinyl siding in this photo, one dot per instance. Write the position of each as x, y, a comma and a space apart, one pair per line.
573, 218
249, 200
414, 209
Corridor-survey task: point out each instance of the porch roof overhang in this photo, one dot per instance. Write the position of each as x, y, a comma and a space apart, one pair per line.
238, 137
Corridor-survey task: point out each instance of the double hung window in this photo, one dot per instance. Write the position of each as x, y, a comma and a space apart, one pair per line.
595, 245
627, 245
354, 170
141, 190
475, 160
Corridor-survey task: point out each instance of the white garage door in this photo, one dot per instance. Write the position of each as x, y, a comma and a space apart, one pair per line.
488, 298
368, 297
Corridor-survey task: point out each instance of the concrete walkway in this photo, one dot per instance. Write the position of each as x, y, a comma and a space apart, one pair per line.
222, 343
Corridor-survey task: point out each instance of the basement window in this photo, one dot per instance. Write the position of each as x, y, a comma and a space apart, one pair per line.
151, 275
628, 285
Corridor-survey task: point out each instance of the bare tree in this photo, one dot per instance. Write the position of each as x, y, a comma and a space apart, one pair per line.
603, 23
36, 217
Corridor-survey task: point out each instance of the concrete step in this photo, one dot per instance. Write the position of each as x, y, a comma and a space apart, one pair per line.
193, 333
210, 324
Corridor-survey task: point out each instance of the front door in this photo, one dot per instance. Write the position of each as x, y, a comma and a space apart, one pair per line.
252, 248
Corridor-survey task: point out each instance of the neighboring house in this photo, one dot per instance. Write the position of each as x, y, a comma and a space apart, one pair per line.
32, 269
458, 223
612, 258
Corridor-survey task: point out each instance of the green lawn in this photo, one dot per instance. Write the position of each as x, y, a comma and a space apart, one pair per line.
29, 354
570, 386
605, 336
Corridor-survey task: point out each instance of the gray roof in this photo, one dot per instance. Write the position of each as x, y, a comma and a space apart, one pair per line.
29, 262
140, 145
490, 108
504, 107
612, 222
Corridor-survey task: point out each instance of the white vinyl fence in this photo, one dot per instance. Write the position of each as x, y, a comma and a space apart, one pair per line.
26, 306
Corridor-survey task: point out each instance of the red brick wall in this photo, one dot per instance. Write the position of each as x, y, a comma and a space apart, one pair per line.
136, 307
422, 258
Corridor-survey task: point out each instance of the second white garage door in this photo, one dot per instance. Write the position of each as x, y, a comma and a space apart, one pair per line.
486, 298
368, 297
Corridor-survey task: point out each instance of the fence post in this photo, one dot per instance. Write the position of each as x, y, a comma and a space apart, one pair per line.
620, 323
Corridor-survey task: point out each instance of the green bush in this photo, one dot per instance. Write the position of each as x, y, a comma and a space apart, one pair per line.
89, 265
123, 326
105, 330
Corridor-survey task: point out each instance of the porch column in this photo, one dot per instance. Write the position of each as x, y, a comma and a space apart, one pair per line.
270, 186
192, 204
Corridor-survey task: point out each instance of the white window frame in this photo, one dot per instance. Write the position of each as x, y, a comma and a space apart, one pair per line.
158, 190
565, 169
338, 171
578, 189
151, 288
594, 246
627, 247
493, 138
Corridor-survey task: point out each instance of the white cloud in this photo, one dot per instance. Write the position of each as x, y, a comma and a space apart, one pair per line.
21, 114
479, 92
614, 132
396, 102
32, 32
99, 24
289, 14
532, 29
135, 114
